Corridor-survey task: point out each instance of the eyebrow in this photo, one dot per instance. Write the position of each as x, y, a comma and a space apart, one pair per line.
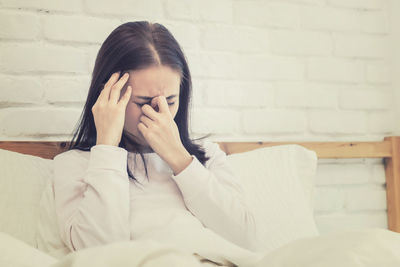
150, 98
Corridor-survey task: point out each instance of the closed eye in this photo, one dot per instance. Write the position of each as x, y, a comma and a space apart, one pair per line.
142, 104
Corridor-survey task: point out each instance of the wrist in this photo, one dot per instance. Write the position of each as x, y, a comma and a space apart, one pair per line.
180, 161
105, 142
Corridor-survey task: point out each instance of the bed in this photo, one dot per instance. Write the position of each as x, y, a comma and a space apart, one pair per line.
370, 247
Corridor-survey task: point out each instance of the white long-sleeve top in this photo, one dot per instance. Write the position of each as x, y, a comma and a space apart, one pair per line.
96, 202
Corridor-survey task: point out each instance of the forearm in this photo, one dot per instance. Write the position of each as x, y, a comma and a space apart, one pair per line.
218, 202
93, 205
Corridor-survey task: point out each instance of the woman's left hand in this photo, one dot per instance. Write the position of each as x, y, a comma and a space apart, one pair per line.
162, 134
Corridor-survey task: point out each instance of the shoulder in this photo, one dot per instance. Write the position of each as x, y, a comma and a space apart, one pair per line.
212, 150
71, 161
72, 154
210, 147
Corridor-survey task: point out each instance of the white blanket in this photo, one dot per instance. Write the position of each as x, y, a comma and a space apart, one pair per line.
363, 248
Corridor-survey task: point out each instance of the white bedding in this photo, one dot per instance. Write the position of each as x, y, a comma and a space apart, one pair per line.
16, 253
363, 248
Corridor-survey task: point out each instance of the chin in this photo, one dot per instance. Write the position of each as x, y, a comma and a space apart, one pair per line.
142, 142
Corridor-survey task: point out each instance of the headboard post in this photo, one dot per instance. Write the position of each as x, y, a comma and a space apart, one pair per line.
392, 169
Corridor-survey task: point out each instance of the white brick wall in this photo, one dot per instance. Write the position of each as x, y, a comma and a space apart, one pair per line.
262, 70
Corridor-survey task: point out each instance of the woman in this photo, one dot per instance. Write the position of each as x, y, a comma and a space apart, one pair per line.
133, 172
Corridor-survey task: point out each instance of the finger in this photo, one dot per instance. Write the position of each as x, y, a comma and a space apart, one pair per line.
146, 120
105, 92
114, 77
153, 104
125, 98
142, 128
150, 112
162, 104
116, 88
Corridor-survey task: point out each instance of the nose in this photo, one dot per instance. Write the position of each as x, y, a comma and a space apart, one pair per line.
154, 104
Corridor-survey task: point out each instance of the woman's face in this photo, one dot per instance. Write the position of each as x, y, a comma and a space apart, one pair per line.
147, 84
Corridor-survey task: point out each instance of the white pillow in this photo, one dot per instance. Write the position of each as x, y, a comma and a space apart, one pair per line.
15, 252
22, 179
48, 236
306, 162
278, 182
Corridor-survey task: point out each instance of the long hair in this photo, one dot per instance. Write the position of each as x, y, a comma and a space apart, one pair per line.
133, 46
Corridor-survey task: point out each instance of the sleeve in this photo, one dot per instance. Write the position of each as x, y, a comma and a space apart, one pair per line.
215, 196
92, 196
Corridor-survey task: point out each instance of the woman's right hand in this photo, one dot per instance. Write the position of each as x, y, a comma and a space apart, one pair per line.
109, 113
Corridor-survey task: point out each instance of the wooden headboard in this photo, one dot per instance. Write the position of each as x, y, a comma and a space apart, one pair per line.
388, 149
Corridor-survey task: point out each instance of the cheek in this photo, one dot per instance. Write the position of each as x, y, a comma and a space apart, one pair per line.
132, 114
173, 109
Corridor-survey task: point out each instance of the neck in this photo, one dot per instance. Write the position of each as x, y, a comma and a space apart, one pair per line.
136, 148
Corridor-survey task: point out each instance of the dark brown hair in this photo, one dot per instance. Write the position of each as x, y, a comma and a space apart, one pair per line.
133, 46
